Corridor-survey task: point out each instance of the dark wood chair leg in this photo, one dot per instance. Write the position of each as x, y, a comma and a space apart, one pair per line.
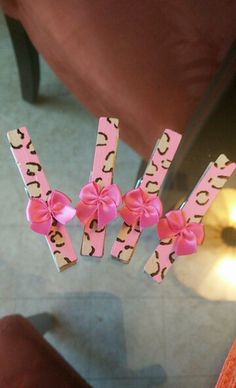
27, 60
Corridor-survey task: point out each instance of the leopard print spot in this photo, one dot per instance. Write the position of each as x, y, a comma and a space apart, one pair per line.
124, 231
33, 168
54, 223
167, 241
218, 182
87, 249
34, 189
129, 228
195, 218
109, 162
222, 162
126, 254
166, 164
57, 238
93, 225
31, 148
163, 272
202, 198
163, 144
172, 257
113, 121
152, 267
152, 187
118, 239
16, 138
61, 260
101, 139
99, 181
151, 169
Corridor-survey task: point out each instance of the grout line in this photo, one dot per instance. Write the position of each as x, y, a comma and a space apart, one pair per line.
163, 308
147, 377
92, 294
90, 332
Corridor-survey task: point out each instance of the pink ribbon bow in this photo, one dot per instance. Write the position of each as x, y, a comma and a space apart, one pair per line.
188, 235
41, 213
141, 207
100, 203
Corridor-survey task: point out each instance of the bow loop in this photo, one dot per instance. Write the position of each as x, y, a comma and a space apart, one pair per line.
187, 235
98, 202
141, 207
41, 213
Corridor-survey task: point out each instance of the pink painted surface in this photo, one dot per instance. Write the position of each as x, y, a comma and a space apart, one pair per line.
102, 173
153, 178
37, 186
196, 206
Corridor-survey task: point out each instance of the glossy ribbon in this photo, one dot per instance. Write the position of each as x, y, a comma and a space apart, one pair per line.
41, 213
140, 207
188, 235
100, 203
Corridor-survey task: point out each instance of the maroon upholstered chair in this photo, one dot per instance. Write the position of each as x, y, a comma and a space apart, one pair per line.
150, 63
28, 360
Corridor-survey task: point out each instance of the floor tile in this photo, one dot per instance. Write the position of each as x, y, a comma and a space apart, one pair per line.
7, 307
35, 274
128, 383
124, 279
10, 260
191, 382
198, 335
12, 195
122, 338
172, 288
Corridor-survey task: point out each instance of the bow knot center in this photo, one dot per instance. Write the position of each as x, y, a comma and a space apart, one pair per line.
98, 202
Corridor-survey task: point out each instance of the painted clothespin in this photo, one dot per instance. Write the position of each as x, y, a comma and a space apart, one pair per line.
100, 198
145, 196
182, 231
47, 211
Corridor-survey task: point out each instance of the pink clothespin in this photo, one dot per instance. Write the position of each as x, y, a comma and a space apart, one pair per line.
47, 211
100, 198
181, 231
142, 205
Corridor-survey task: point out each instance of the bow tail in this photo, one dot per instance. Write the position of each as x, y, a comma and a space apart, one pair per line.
85, 212
42, 227
107, 212
130, 218
198, 230
164, 229
149, 218
186, 245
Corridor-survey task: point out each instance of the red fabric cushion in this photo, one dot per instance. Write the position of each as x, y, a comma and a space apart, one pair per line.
28, 361
146, 62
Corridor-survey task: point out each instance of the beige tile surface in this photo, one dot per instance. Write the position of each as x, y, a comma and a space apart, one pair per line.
198, 335
122, 338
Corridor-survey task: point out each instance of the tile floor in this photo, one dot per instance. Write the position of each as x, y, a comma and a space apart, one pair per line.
114, 325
